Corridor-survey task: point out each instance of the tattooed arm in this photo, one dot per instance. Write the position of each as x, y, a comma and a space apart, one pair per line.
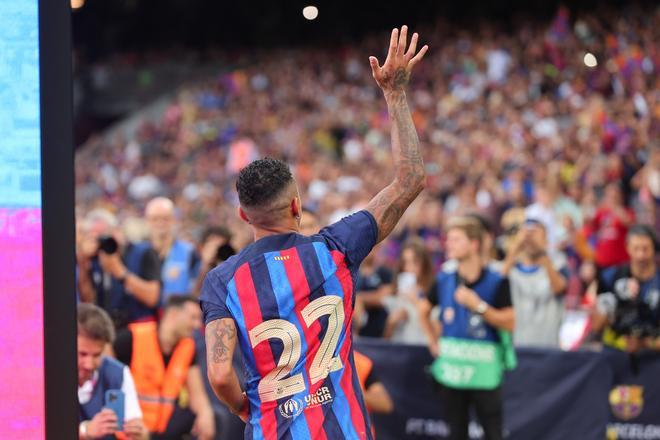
389, 205
220, 345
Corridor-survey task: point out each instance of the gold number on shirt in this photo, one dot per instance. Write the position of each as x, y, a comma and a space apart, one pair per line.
275, 385
324, 362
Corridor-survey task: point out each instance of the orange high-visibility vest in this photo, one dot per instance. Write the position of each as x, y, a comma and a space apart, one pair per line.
363, 366
158, 388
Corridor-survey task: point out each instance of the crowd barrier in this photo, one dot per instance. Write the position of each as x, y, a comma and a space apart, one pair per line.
551, 395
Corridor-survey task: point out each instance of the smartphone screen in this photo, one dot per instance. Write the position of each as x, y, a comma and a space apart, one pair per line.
114, 400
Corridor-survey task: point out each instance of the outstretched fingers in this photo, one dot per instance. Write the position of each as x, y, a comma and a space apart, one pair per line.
413, 46
417, 58
394, 39
402, 40
375, 67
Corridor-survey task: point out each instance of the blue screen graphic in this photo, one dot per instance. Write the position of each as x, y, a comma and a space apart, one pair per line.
22, 413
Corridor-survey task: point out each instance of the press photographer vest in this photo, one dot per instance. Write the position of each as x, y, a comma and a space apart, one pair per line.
111, 377
473, 354
123, 307
176, 271
158, 387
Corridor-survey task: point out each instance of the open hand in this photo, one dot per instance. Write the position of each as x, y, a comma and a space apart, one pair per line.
395, 73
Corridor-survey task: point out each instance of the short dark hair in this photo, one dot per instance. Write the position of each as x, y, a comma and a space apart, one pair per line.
95, 323
219, 231
179, 300
262, 180
641, 230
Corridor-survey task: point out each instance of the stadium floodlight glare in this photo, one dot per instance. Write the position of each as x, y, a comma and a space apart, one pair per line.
310, 12
590, 60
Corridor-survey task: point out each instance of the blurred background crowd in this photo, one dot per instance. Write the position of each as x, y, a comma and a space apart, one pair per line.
546, 131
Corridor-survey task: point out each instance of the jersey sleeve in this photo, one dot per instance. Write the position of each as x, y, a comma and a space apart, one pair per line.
354, 236
213, 298
150, 266
503, 295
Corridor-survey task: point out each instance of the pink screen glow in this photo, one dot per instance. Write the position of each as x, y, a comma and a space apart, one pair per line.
22, 345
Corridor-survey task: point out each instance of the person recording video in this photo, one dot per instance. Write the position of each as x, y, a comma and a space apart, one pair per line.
214, 248
107, 399
122, 278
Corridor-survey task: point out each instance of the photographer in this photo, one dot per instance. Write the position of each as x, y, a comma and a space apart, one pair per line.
537, 284
628, 304
122, 278
214, 248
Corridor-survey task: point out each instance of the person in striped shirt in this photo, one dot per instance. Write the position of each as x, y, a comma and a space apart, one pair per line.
287, 299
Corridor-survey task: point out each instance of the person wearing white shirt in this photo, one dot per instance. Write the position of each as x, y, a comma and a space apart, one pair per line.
97, 374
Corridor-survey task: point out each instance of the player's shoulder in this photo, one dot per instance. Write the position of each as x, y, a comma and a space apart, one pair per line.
348, 228
224, 272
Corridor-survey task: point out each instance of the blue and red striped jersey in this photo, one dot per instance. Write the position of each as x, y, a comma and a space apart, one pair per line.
292, 299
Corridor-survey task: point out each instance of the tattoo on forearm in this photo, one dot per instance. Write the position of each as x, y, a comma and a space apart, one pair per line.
218, 336
390, 204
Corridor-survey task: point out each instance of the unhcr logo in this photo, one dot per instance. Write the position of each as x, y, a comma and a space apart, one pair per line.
291, 408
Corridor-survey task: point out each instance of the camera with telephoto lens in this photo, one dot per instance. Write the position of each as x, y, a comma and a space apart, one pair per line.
108, 244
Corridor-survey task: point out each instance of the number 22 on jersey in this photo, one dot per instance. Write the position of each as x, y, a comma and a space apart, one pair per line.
276, 385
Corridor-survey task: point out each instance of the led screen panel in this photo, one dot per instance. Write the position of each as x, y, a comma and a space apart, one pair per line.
21, 288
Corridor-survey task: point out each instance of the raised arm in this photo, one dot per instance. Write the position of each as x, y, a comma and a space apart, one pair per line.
389, 205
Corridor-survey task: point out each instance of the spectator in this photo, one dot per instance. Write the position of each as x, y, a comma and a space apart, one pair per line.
215, 247
123, 278
162, 359
178, 259
309, 223
373, 286
628, 305
537, 286
376, 397
475, 304
97, 374
413, 281
609, 226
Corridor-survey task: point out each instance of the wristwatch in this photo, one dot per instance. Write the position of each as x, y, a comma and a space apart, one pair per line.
481, 307
82, 430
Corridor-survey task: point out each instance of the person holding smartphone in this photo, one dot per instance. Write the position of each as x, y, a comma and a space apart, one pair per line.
100, 377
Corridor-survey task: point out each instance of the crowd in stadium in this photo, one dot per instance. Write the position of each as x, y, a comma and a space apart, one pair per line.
556, 160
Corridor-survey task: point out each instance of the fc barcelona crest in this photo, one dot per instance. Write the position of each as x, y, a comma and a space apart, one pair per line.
627, 401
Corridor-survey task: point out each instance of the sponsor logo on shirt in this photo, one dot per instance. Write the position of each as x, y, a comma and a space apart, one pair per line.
321, 397
291, 408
